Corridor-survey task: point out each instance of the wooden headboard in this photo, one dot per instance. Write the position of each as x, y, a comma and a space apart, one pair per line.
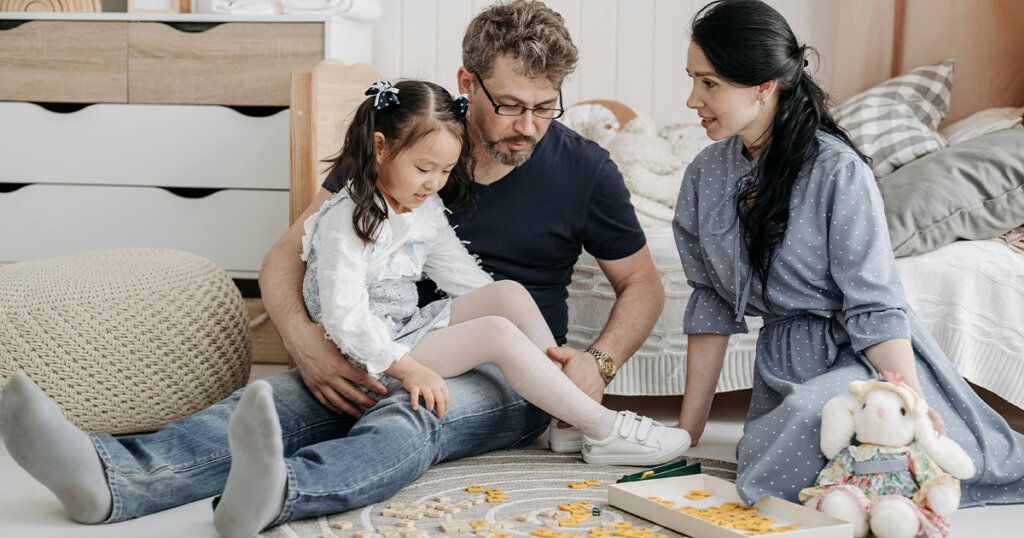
874, 40
322, 104
986, 40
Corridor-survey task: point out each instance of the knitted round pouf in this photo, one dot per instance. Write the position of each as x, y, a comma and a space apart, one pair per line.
125, 340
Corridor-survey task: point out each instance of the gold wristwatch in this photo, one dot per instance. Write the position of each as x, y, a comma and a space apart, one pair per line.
605, 364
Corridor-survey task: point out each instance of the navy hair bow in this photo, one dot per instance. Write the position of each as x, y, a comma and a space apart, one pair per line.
386, 95
462, 104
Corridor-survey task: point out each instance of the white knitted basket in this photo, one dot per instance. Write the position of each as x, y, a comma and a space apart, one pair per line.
125, 340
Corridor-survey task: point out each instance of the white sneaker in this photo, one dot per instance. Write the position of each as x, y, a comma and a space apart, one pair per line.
568, 440
636, 440
564, 440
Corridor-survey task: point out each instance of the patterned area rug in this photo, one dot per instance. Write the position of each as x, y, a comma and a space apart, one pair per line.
533, 480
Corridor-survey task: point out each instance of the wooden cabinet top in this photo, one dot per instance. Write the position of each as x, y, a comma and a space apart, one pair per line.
159, 17
167, 59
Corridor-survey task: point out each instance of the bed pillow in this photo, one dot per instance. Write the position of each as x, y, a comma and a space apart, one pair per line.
982, 123
896, 122
973, 190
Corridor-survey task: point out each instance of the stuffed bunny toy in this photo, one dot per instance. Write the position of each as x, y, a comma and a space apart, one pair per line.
894, 482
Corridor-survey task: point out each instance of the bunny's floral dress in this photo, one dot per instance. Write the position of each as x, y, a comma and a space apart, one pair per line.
872, 472
834, 291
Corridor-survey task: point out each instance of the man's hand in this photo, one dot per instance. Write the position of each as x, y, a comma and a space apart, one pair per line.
581, 368
328, 374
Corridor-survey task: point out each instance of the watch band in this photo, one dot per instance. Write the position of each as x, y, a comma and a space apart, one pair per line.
603, 358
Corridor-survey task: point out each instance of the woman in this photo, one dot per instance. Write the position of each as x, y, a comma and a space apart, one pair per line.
782, 218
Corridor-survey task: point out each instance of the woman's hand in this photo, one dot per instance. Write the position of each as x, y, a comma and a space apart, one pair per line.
897, 355
693, 426
940, 427
426, 383
705, 354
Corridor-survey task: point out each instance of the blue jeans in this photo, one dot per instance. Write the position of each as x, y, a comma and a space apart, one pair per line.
334, 462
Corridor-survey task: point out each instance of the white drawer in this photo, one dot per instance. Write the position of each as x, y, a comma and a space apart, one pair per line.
162, 145
233, 228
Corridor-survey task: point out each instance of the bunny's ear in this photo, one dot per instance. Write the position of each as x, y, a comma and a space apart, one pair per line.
837, 424
949, 456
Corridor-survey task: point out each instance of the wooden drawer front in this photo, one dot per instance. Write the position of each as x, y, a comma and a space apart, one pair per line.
63, 61
229, 64
166, 146
233, 228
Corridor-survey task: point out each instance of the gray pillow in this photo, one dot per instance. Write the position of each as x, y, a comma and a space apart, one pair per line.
971, 190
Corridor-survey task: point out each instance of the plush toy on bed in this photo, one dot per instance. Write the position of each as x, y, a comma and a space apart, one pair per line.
894, 482
652, 163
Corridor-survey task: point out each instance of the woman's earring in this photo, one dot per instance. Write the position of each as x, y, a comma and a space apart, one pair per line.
760, 102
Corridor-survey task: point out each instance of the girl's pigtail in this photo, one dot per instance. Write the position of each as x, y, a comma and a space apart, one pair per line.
355, 170
460, 181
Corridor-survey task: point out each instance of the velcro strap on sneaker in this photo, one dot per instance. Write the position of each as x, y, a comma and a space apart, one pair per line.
643, 431
628, 424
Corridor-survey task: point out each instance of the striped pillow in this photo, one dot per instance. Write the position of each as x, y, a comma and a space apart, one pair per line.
897, 121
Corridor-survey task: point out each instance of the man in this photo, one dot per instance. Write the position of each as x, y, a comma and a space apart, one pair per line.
530, 220
543, 192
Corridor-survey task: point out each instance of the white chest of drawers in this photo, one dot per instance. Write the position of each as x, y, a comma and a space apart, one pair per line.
156, 158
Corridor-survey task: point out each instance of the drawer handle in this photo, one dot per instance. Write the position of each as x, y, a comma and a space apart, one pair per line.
63, 108
192, 27
10, 24
191, 192
257, 111
11, 187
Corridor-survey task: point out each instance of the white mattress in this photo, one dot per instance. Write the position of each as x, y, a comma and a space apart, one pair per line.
970, 295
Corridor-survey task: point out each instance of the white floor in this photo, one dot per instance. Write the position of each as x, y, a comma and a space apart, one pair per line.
28, 510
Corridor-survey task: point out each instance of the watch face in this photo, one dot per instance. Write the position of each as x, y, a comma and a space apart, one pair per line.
607, 367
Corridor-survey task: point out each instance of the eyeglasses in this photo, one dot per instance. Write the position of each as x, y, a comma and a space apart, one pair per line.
517, 110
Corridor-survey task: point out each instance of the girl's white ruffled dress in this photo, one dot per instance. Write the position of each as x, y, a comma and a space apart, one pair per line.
365, 295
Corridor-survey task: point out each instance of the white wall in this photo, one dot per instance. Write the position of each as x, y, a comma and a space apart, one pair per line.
631, 51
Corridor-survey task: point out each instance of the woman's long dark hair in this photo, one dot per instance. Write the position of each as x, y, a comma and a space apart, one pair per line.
424, 108
749, 43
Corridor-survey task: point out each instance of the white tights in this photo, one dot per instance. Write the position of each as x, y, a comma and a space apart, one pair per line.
501, 323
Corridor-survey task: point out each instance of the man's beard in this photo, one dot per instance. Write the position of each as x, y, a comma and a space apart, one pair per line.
513, 158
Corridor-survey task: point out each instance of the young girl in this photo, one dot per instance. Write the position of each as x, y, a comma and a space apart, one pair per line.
782, 218
369, 245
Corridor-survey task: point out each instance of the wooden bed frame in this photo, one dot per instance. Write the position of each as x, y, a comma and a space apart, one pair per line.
322, 103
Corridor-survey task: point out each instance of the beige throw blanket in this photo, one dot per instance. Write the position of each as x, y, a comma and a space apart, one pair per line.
1014, 238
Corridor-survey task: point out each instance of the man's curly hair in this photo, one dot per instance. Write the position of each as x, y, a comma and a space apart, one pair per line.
532, 32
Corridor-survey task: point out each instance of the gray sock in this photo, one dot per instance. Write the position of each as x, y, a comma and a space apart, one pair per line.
254, 494
53, 450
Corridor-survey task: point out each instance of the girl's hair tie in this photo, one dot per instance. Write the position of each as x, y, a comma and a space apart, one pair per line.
386, 95
462, 104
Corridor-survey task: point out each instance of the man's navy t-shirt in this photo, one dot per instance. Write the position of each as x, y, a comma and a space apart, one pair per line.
530, 225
